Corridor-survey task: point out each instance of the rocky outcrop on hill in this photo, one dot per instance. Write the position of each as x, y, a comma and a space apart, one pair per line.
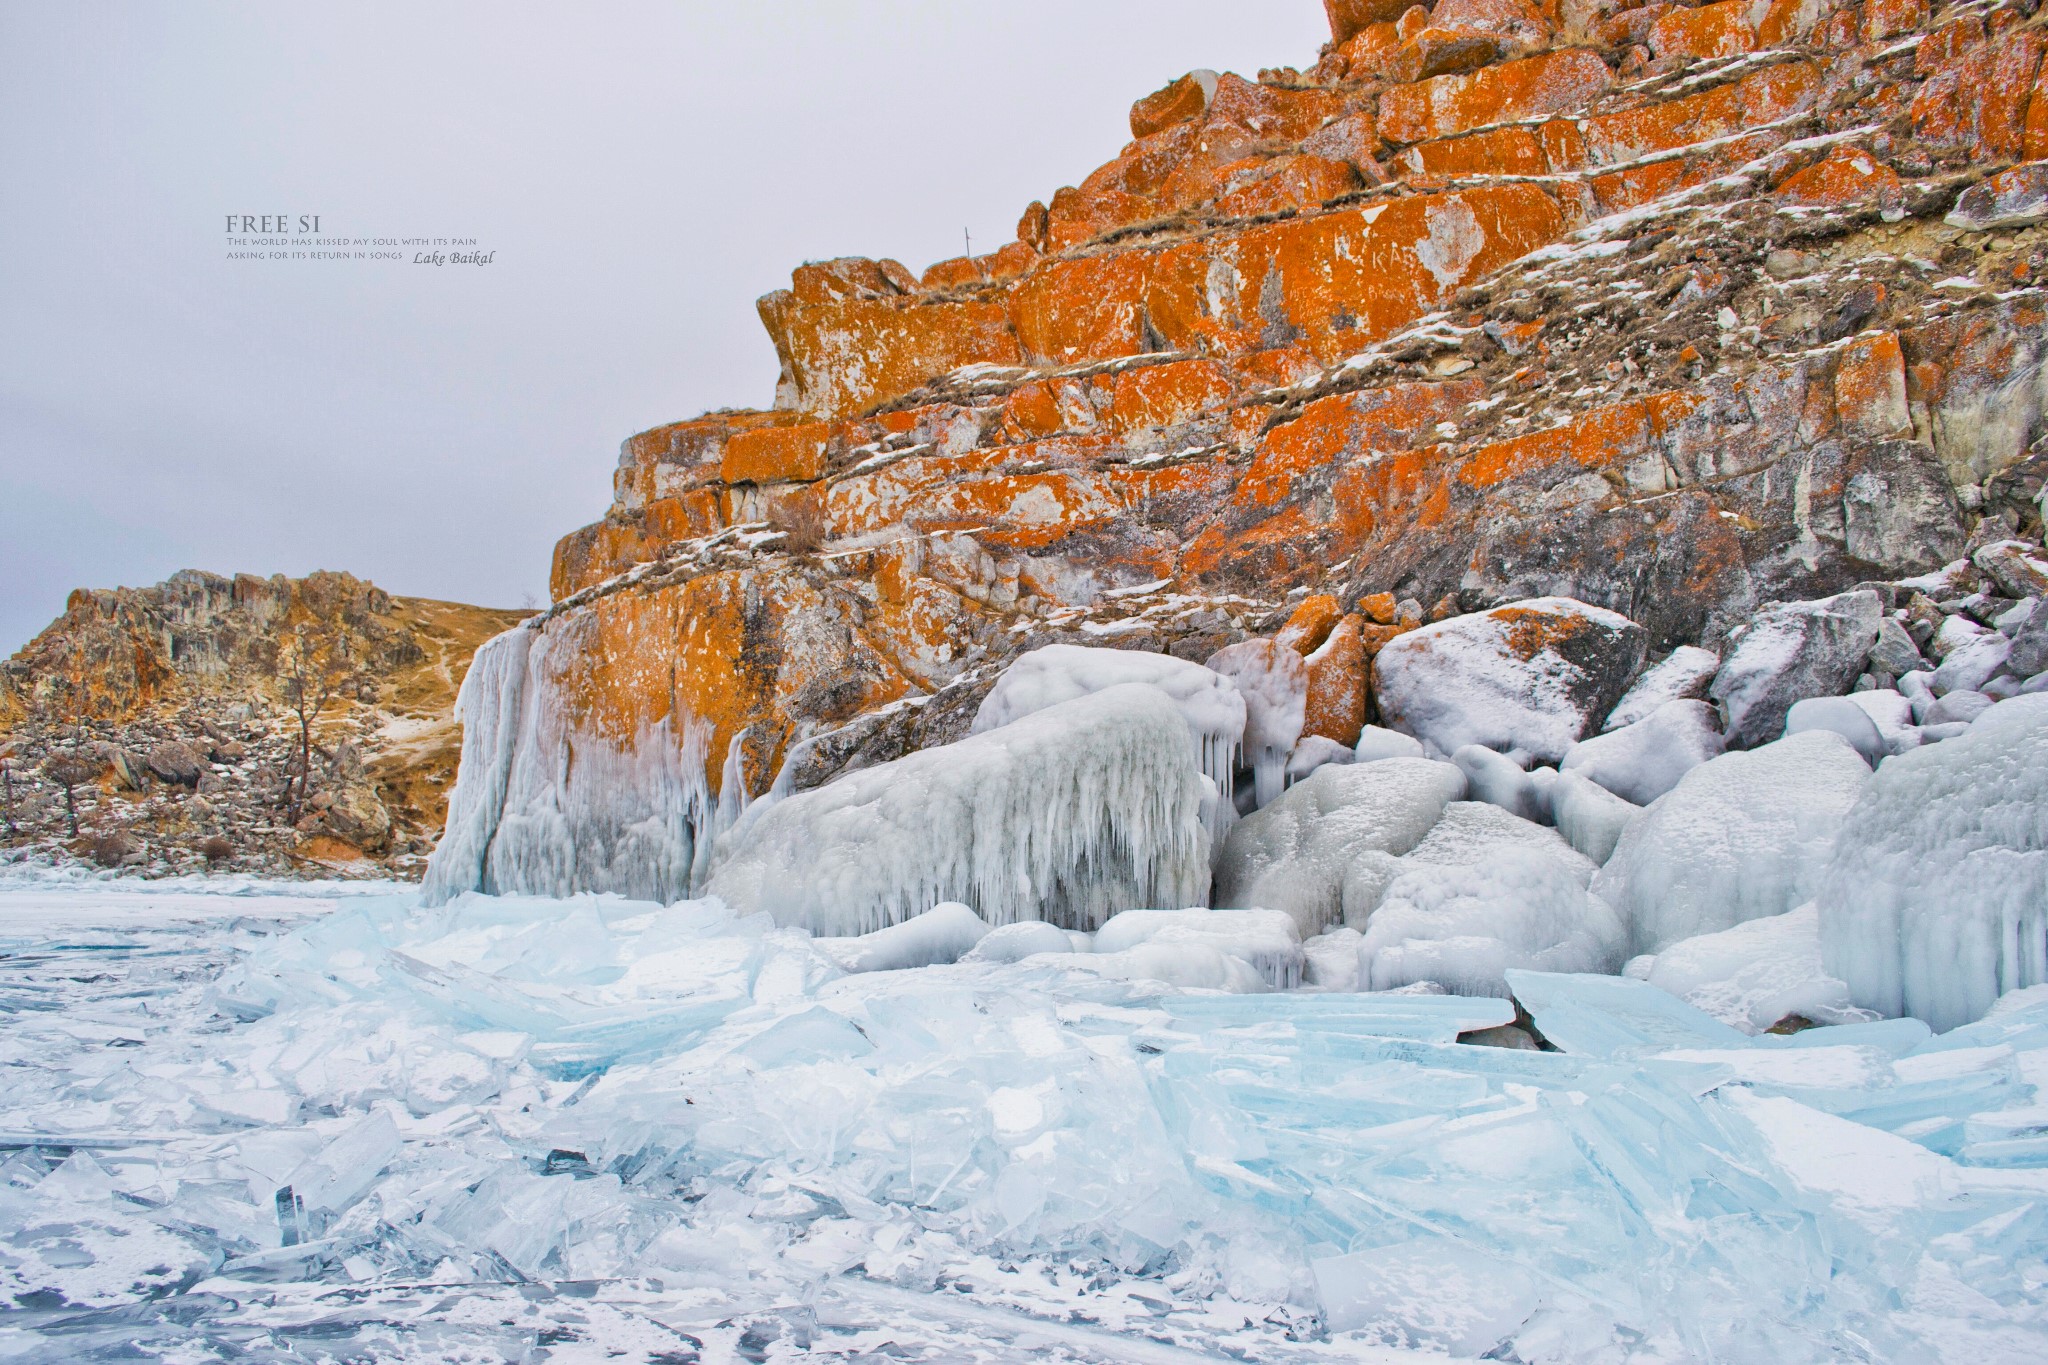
1675, 311
158, 728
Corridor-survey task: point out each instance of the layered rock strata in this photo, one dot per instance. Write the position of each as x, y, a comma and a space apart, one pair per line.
1674, 311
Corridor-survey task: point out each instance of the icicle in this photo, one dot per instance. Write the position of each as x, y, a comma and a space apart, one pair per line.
541, 808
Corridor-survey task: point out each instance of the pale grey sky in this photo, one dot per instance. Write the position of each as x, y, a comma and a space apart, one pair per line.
643, 171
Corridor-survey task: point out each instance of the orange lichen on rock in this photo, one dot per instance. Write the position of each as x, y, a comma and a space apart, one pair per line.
1337, 677
1976, 100
845, 357
1310, 624
1846, 176
1718, 30
1870, 388
1535, 87
775, 454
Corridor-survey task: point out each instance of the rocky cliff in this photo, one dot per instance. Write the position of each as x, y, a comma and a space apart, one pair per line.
1675, 310
172, 709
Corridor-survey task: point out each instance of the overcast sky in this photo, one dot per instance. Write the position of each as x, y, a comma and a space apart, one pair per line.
642, 172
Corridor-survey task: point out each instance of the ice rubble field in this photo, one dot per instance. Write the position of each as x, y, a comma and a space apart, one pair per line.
324, 1124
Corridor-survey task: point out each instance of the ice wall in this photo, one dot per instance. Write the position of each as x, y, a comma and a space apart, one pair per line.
543, 808
1935, 901
1066, 814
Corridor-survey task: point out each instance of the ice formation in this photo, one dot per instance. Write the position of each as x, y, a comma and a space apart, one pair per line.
1739, 838
1313, 752
1067, 814
1211, 705
1935, 900
1591, 818
541, 807
944, 933
1025, 938
1642, 761
1265, 940
1845, 717
683, 1133
1755, 975
1376, 741
1483, 892
1274, 682
1293, 854
1500, 781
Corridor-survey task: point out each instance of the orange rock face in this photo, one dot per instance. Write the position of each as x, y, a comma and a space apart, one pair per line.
1314, 349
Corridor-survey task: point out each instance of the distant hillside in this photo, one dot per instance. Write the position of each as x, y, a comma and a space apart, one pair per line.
170, 710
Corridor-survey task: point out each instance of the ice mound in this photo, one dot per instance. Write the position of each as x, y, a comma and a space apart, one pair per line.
1485, 891
1210, 704
1852, 720
1265, 940
1068, 815
1498, 780
1293, 855
1642, 761
541, 807
944, 933
1591, 818
1376, 741
1935, 901
1527, 679
1015, 942
1740, 838
1755, 975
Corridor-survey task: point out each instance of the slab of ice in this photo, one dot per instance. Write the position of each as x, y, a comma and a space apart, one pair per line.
1935, 901
1615, 1017
1740, 838
1293, 855
1067, 814
1756, 974
944, 933
1681, 675
1210, 704
1641, 761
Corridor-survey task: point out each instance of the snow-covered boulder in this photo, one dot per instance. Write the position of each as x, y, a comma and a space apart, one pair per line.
1739, 838
2029, 652
1528, 679
1792, 651
1970, 665
1313, 752
1212, 707
1960, 707
1935, 900
2017, 566
1892, 713
1844, 717
1640, 762
1265, 939
1682, 675
1755, 975
1293, 855
1067, 814
1485, 892
1590, 817
1273, 679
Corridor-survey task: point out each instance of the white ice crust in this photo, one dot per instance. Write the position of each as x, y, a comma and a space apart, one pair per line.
1067, 814
1739, 838
1935, 900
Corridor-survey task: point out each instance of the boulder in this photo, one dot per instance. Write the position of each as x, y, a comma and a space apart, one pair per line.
1682, 675
1335, 706
2029, 652
1293, 854
1899, 509
1640, 762
1960, 707
1527, 679
2013, 198
177, 763
357, 815
1970, 665
1739, 838
1894, 653
1375, 741
2018, 567
1789, 652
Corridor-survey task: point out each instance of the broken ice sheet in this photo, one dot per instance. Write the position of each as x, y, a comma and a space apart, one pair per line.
703, 1120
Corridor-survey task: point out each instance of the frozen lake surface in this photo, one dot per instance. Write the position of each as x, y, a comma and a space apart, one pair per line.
276, 1122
